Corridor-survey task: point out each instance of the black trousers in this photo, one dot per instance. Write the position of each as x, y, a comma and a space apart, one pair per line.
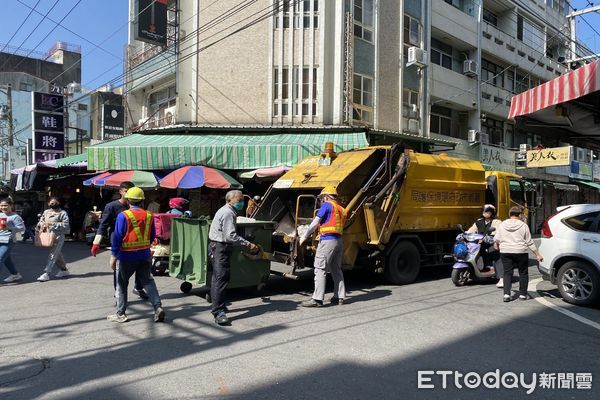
510, 261
219, 255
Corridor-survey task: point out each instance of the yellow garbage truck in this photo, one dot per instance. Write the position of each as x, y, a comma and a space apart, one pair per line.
403, 207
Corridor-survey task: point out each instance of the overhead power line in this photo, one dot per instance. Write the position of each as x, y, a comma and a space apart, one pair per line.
31, 9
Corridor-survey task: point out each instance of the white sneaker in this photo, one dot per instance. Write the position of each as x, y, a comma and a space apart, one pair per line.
62, 274
13, 278
44, 277
500, 283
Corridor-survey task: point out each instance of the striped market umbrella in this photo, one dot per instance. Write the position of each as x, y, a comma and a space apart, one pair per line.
141, 179
193, 177
97, 180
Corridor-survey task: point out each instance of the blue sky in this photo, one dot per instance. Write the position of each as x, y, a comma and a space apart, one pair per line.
105, 21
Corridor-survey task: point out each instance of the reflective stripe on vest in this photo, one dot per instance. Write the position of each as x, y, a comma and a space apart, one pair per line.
336, 221
134, 240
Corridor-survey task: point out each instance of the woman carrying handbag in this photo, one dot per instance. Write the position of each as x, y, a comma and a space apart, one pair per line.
50, 232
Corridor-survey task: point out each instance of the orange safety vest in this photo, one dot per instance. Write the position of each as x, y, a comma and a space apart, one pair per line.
138, 230
336, 221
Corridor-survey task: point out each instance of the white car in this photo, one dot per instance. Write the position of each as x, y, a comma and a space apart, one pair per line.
570, 245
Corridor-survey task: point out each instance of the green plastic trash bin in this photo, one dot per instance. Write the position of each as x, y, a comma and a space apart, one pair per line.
189, 254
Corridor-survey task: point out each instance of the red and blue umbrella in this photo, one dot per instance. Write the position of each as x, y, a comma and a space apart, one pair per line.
97, 180
193, 177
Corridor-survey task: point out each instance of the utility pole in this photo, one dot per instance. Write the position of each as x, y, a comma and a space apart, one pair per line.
426, 71
11, 127
573, 25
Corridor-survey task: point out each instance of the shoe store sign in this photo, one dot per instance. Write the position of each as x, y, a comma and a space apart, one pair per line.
48, 122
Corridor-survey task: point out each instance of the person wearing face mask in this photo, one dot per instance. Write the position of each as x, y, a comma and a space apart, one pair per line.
491, 256
223, 236
330, 221
57, 220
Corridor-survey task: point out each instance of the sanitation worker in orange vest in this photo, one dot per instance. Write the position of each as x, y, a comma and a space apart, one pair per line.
134, 232
330, 220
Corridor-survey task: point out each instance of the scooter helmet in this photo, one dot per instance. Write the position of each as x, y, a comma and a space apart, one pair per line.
460, 250
489, 208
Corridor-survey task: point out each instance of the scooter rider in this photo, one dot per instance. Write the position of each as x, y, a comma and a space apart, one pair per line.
488, 220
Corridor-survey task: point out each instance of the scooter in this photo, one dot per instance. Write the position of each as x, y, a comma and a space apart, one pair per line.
469, 261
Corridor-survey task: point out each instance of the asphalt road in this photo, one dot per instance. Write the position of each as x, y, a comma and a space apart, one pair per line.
55, 342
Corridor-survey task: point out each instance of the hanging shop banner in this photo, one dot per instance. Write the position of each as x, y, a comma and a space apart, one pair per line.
596, 171
113, 122
498, 159
152, 21
48, 122
551, 157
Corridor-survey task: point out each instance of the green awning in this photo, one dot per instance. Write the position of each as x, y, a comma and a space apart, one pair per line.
591, 184
236, 151
76, 159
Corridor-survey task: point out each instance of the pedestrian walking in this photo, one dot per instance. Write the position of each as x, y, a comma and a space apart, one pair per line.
134, 232
10, 224
514, 241
490, 255
55, 220
330, 220
28, 214
223, 236
107, 226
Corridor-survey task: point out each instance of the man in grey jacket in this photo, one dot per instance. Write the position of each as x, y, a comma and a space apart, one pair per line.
223, 236
514, 241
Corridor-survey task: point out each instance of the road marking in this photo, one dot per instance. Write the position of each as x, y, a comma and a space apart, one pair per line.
533, 289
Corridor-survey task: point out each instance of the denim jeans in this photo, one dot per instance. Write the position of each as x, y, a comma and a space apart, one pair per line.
56, 257
5, 249
142, 270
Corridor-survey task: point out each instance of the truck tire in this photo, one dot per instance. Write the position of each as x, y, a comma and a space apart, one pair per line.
403, 264
579, 283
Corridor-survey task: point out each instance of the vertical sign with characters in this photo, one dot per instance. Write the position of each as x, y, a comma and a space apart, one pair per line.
48, 122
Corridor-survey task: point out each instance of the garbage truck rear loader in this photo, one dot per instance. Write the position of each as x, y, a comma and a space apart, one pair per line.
403, 207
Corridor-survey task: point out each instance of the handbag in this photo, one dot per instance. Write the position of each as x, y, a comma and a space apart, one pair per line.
44, 238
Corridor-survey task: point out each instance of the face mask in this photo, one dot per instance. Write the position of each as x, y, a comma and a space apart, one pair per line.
487, 215
54, 206
238, 205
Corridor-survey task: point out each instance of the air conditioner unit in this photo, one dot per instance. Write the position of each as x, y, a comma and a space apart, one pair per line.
524, 148
170, 115
521, 156
470, 68
416, 56
583, 155
478, 137
413, 125
142, 122
151, 123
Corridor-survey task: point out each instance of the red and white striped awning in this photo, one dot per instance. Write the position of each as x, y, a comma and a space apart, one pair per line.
570, 86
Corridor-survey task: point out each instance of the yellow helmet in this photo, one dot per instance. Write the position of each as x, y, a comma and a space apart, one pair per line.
329, 190
135, 193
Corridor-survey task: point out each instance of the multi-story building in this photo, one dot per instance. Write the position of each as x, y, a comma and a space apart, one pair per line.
57, 70
313, 62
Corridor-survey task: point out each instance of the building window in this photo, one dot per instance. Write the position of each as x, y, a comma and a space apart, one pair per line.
441, 54
158, 102
490, 17
466, 6
530, 33
362, 98
440, 120
363, 19
412, 34
301, 11
495, 130
410, 103
300, 92
559, 5
25, 87
82, 107
492, 73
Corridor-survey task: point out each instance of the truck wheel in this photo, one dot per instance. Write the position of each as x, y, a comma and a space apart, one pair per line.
461, 276
186, 287
403, 264
579, 283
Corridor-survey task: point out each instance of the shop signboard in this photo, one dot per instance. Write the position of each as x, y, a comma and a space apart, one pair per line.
48, 122
498, 159
151, 26
550, 157
581, 170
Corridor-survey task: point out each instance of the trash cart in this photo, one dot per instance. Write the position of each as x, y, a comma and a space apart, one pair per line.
189, 259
